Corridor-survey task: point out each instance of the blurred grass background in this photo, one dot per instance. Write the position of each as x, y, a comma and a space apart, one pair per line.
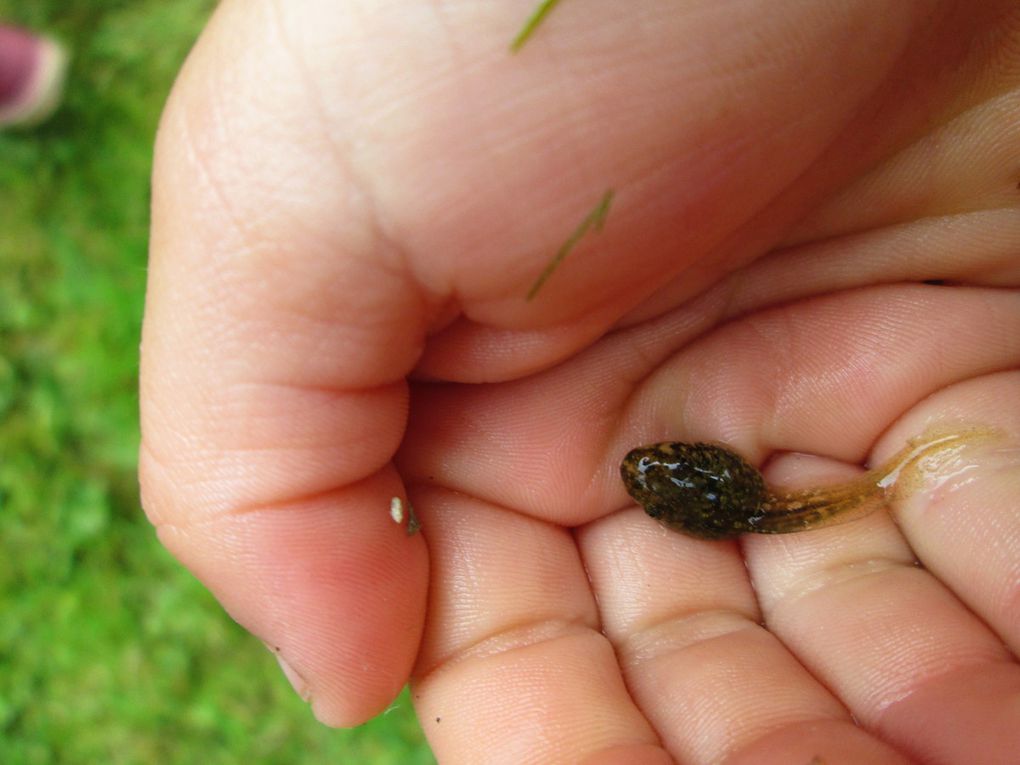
109, 651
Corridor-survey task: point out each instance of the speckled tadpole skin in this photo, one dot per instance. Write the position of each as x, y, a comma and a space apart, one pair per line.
703, 490
708, 491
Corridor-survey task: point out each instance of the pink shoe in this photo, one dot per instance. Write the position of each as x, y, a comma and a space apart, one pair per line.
32, 71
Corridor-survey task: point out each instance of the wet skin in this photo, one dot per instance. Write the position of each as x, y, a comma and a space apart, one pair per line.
708, 491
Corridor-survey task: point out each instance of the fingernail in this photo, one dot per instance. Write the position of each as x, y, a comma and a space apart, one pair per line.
298, 683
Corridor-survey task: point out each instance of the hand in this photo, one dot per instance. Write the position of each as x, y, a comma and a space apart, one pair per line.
351, 202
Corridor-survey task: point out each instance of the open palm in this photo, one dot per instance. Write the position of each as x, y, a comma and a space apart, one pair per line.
811, 251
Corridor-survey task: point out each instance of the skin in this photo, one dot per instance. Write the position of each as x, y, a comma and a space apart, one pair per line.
351, 201
710, 492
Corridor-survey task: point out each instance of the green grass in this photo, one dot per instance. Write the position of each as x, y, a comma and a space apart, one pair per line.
537, 17
109, 651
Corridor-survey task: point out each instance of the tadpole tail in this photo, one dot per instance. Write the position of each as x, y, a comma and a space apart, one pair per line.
787, 512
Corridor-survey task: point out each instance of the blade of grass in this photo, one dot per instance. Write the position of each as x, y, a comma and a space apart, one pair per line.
595, 219
540, 12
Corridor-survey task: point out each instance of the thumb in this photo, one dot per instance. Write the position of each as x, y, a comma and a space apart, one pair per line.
277, 335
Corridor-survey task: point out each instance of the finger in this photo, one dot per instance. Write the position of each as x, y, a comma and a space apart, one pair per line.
893, 642
964, 527
787, 378
959, 166
716, 686
926, 250
277, 334
512, 661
